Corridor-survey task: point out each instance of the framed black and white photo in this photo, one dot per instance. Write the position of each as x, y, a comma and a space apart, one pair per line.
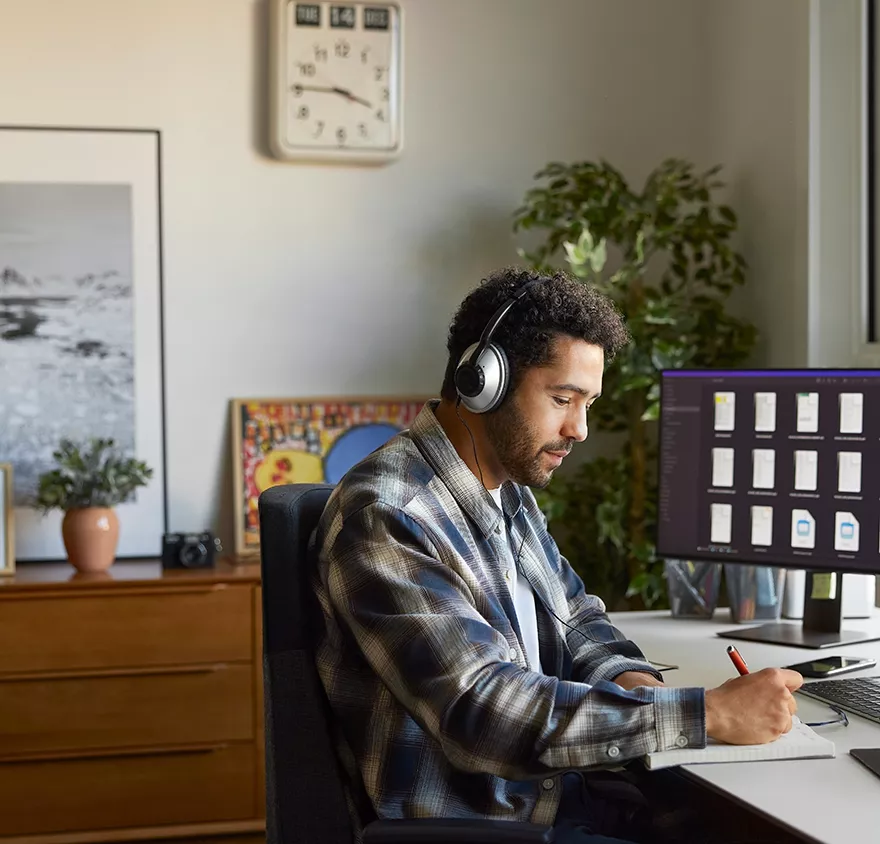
81, 316
7, 529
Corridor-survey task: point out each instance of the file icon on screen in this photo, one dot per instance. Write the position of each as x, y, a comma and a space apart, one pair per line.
762, 525
725, 411
765, 412
807, 413
722, 467
849, 471
805, 470
763, 468
846, 532
803, 529
851, 413
722, 515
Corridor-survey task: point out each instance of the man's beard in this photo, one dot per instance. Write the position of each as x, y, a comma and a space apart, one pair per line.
516, 445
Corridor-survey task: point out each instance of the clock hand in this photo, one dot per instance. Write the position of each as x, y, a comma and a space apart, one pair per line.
326, 89
351, 97
332, 89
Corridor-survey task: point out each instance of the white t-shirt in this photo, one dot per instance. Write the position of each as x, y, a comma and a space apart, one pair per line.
523, 599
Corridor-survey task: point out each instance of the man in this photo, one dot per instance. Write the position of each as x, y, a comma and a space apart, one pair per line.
468, 670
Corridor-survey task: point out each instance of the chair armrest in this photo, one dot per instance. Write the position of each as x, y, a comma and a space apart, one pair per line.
456, 831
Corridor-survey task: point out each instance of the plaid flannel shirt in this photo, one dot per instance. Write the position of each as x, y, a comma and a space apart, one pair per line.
422, 659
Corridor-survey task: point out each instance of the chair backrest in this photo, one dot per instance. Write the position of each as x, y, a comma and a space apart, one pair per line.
305, 797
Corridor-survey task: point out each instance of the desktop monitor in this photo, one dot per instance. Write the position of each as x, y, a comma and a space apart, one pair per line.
774, 468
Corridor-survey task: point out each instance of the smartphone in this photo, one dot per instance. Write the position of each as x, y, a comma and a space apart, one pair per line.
829, 666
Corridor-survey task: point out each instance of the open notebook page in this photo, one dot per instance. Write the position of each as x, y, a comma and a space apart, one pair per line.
801, 742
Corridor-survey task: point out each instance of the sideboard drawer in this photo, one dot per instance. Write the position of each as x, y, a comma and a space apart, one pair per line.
139, 707
142, 627
180, 787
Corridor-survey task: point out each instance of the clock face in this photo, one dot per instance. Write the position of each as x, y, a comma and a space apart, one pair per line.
338, 92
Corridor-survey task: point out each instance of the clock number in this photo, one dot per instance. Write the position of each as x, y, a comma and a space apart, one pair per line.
381, 73
297, 90
308, 14
342, 17
362, 128
340, 135
303, 113
319, 130
365, 55
376, 18
385, 94
307, 69
380, 115
321, 54
343, 48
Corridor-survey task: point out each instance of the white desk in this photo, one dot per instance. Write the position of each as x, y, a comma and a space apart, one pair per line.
832, 801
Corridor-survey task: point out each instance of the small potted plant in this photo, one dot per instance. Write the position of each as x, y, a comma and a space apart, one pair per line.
87, 483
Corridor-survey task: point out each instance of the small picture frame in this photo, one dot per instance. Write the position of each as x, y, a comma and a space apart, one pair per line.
7, 534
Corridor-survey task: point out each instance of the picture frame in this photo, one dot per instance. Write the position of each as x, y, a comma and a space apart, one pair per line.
304, 440
7, 523
81, 271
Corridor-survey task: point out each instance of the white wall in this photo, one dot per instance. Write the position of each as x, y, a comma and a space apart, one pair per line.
301, 280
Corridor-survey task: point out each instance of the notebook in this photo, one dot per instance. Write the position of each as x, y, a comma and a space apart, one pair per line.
800, 742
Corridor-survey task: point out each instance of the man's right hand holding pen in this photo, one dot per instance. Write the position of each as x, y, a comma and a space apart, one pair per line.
752, 708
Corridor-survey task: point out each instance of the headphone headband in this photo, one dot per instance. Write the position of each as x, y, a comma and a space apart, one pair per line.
496, 318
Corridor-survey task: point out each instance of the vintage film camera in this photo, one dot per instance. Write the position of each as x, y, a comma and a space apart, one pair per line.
189, 550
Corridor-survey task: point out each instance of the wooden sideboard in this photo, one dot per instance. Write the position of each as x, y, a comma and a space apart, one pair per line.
131, 703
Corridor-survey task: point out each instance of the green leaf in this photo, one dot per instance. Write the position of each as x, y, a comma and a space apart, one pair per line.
599, 256
663, 253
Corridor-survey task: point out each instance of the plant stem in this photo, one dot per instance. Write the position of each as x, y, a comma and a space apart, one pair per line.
637, 448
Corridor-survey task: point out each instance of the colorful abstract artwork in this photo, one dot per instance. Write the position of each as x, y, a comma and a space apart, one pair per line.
286, 441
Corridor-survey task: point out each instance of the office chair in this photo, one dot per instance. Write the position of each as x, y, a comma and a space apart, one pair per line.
305, 797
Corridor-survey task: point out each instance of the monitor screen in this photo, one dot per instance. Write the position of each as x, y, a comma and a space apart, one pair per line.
772, 467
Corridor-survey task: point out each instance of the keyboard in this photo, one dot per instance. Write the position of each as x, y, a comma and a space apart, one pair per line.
861, 695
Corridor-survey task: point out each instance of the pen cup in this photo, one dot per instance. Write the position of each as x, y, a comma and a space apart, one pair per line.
693, 588
755, 592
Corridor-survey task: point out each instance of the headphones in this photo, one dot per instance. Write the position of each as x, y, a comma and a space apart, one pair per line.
483, 373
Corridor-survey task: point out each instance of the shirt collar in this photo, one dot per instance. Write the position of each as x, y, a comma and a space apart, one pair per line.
466, 488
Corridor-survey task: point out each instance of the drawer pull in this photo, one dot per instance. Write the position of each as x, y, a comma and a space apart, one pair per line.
100, 673
115, 589
117, 753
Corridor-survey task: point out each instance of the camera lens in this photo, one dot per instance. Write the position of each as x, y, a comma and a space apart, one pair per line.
192, 553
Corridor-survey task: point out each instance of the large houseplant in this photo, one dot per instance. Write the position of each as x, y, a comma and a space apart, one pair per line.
664, 255
87, 483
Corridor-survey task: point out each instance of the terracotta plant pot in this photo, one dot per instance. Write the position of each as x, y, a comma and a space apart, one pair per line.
90, 536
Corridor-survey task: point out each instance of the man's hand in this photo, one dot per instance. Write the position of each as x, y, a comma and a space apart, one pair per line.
753, 709
630, 680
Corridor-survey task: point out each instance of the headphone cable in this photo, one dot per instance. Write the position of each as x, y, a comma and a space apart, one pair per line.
473, 441
522, 507
516, 564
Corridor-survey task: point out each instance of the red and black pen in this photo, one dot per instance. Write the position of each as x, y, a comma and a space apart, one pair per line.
737, 660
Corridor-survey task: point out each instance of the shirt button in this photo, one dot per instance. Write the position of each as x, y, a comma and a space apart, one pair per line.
613, 751
507, 575
498, 528
681, 741
547, 784
513, 653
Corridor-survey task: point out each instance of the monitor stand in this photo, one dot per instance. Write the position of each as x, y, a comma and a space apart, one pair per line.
820, 627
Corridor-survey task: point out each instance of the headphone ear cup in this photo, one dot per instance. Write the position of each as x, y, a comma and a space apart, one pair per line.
483, 384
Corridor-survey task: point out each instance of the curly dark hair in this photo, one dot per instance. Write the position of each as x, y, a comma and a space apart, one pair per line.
560, 305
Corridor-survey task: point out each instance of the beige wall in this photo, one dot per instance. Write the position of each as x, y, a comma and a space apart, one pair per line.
300, 280
758, 119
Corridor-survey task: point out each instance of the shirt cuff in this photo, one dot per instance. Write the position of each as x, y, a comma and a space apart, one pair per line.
679, 717
609, 669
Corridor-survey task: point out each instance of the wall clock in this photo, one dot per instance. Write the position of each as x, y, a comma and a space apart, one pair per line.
336, 81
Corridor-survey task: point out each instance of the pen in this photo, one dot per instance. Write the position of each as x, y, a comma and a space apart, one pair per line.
737, 660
